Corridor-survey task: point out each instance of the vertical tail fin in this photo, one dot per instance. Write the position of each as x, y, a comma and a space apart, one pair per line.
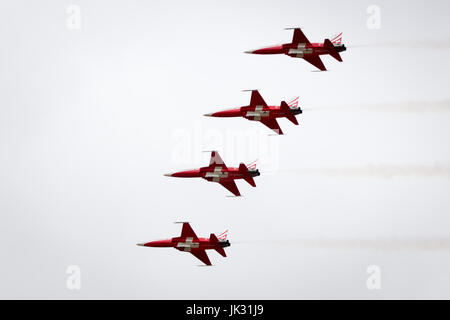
331, 50
244, 171
216, 244
287, 111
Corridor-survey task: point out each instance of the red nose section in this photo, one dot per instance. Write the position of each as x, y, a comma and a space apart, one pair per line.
225, 113
268, 50
158, 243
185, 174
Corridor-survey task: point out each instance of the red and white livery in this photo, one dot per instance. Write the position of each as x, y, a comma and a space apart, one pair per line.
217, 171
301, 47
258, 110
189, 242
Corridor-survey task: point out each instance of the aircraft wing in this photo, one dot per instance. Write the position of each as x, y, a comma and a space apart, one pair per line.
299, 37
216, 160
202, 256
187, 231
315, 61
272, 124
257, 100
231, 186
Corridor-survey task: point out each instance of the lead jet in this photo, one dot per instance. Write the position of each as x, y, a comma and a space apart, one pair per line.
258, 110
301, 47
217, 171
189, 242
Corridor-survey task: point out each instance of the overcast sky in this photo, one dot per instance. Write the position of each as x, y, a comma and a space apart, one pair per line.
93, 114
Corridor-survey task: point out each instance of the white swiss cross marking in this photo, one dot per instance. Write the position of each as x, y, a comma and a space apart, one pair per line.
188, 244
301, 50
258, 113
217, 174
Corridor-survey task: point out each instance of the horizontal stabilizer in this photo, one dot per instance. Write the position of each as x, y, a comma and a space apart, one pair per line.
216, 244
287, 110
244, 171
250, 181
331, 50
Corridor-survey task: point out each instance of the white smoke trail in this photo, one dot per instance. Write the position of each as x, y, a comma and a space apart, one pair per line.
382, 244
443, 44
401, 107
385, 171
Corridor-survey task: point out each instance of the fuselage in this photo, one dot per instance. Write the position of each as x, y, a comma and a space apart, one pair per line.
257, 113
216, 173
187, 243
298, 50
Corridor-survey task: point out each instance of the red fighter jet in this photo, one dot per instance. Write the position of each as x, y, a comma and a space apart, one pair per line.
217, 171
258, 110
189, 242
300, 47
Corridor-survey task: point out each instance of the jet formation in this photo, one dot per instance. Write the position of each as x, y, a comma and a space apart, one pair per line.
257, 110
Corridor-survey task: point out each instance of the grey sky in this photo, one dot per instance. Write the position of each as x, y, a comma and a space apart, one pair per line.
91, 119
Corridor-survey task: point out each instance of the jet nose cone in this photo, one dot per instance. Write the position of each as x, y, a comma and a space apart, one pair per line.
140, 244
208, 114
249, 51
168, 174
